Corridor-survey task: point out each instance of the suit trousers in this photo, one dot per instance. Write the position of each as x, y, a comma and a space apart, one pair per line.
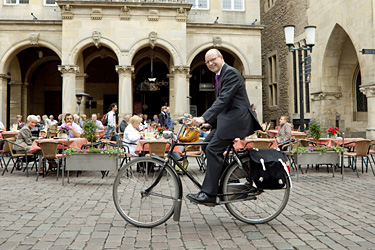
214, 153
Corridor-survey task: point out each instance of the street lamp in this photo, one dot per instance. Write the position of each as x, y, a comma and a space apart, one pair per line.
310, 42
79, 97
90, 101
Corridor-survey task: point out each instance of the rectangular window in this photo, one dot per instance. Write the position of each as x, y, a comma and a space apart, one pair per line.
199, 4
50, 2
233, 4
272, 81
9, 2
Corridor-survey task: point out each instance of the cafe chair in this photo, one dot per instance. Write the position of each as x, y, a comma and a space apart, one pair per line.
199, 156
371, 153
5, 152
19, 157
157, 148
260, 144
49, 153
52, 131
361, 149
9, 136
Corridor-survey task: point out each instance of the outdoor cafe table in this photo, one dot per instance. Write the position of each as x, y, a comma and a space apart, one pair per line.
73, 143
139, 148
274, 132
336, 141
240, 144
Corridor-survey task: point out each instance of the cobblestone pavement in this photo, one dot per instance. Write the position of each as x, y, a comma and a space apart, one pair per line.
322, 213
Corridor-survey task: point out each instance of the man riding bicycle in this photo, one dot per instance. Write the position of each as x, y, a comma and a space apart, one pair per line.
230, 116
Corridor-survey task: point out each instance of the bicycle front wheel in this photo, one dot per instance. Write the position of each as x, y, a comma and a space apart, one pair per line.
140, 208
257, 206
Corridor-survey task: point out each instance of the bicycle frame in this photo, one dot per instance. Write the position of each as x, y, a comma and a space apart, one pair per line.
191, 177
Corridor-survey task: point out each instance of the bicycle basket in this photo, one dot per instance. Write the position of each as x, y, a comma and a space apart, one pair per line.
268, 169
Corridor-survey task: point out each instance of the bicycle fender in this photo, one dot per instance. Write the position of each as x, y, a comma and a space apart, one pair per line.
177, 210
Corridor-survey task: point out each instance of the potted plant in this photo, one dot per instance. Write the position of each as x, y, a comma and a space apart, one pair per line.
89, 131
333, 131
63, 131
159, 129
315, 129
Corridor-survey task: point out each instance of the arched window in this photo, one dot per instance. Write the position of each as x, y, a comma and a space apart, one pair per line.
360, 100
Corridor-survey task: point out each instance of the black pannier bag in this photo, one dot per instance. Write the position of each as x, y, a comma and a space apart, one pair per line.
268, 169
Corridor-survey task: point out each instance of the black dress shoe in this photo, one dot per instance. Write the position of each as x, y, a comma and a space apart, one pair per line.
202, 198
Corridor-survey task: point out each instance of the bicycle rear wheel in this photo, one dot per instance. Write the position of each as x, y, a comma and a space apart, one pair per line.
145, 209
258, 206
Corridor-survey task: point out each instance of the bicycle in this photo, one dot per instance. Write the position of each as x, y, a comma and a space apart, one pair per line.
147, 191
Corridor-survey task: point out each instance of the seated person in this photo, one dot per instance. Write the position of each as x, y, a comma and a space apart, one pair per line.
76, 130
94, 118
2, 128
124, 123
132, 135
189, 135
43, 134
83, 119
18, 124
46, 122
76, 119
285, 130
24, 138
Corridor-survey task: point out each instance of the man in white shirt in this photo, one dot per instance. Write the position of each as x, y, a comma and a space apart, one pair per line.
76, 130
52, 119
111, 126
98, 123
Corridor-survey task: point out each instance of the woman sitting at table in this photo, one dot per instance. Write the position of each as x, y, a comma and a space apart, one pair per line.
132, 135
24, 138
285, 130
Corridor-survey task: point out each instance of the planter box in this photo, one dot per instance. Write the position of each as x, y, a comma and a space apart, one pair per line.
329, 157
90, 162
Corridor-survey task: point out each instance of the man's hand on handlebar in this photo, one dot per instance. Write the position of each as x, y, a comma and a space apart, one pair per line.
198, 121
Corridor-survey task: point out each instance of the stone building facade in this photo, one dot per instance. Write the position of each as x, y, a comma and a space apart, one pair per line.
141, 55
341, 90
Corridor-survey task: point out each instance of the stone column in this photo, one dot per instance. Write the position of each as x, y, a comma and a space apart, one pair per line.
3, 98
24, 100
69, 103
254, 92
80, 88
125, 90
179, 91
369, 91
15, 100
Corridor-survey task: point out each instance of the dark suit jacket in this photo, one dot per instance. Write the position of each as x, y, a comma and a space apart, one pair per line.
231, 110
162, 118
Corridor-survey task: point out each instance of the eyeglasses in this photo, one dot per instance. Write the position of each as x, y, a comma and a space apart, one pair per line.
211, 61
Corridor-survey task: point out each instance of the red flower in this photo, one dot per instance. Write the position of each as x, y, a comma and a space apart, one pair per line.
333, 130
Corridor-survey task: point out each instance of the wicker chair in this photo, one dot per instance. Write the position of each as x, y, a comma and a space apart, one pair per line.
20, 156
361, 149
200, 157
157, 148
49, 151
52, 131
4, 153
260, 144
